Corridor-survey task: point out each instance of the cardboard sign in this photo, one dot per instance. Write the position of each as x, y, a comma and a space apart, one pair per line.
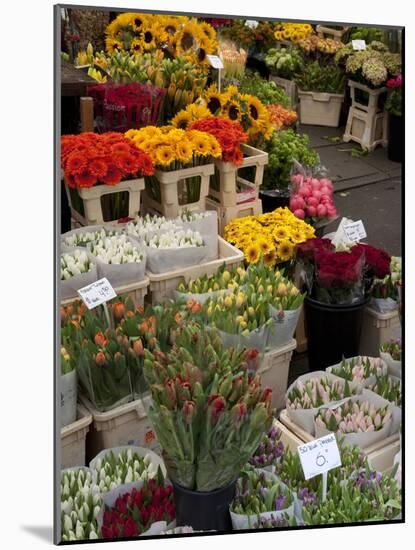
319, 456
97, 293
359, 45
354, 231
215, 61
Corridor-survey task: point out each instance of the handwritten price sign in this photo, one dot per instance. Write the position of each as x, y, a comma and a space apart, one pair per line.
354, 231
97, 293
319, 456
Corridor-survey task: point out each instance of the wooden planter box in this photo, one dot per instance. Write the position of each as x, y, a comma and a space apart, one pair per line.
320, 109
228, 213
367, 124
91, 200
380, 454
233, 189
289, 87
327, 32
169, 203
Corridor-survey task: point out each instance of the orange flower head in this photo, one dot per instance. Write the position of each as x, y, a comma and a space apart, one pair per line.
143, 327
100, 339
178, 318
140, 309
118, 310
152, 342
138, 347
130, 313
75, 323
100, 358
196, 308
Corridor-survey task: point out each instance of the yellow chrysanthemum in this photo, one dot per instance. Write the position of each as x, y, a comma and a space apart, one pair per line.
215, 149
264, 246
252, 253
297, 236
285, 250
165, 155
184, 152
201, 145
280, 233
270, 258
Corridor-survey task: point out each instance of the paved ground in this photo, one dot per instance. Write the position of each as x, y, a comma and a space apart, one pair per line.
367, 188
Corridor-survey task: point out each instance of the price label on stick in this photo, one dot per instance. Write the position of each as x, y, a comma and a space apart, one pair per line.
354, 231
359, 45
97, 293
215, 61
319, 456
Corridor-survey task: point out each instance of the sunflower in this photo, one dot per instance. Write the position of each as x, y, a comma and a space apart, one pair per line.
187, 37
136, 46
208, 30
184, 152
270, 258
252, 253
165, 155
213, 100
112, 45
280, 233
285, 250
149, 36
278, 35
138, 21
233, 111
182, 120
254, 107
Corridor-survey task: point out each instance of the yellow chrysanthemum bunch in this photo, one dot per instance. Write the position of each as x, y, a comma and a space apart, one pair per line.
247, 109
171, 148
180, 36
273, 236
294, 32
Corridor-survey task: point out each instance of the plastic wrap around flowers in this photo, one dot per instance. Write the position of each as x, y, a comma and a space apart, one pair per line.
273, 236
74, 263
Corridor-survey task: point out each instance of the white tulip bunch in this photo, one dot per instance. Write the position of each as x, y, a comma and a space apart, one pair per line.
80, 506
74, 263
141, 227
189, 216
128, 466
82, 238
115, 250
176, 239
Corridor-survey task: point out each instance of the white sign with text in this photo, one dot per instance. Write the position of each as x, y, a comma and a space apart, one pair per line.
215, 61
359, 45
354, 231
319, 456
97, 293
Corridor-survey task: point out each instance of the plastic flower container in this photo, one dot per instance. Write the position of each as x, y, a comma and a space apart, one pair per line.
320, 109
274, 370
377, 329
289, 87
228, 213
73, 438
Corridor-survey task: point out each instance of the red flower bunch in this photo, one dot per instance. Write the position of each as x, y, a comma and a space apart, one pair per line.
377, 261
395, 82
229, 134
340, 270
135, 512
88, 158
308, 249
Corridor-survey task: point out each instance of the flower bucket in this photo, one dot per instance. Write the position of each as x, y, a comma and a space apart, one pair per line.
320, 109
281, 332
204, 511
333, 332
68, 389
274, 198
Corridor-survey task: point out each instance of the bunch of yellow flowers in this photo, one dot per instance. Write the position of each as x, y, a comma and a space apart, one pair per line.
178, 35
244, 108
272, 236
171, 148
294, 32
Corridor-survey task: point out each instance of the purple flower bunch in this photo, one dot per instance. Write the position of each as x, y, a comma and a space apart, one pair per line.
270, 449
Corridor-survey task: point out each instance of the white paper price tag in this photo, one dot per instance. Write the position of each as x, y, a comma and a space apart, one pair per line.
251, 23
215, 61
97, 293
319, 456
354, 231
359, 44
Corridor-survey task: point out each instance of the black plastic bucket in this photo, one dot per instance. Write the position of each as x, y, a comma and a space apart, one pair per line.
204, 510
396, 143
332, 331
274, 198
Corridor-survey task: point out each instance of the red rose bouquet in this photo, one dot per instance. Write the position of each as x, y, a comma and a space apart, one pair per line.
134, 512
341, 277
229, 134
89, 158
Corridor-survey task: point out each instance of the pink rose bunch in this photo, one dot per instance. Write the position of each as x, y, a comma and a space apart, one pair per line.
395, 82
312, 198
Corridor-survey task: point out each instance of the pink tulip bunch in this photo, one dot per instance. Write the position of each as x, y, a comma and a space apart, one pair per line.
316, 392
359, 369
312, 198
357, 417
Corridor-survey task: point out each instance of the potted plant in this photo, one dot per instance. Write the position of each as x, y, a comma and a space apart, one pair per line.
339, 286
396, 133
321, 93
209, 414
283, 148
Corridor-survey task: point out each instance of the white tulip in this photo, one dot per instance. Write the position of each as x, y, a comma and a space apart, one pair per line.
93, 535
79, 531
67, 523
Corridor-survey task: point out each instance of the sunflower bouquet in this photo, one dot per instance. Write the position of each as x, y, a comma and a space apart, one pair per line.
272, 236
293, 32
138, 33
244, 108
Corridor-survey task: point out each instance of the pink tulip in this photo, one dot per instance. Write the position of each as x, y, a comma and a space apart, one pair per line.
305, 191
317, 194
324, 198
299, 213
312, 201
293, 204
377, 421
370, 428
315, 182
300, 202
311, 211
321, 211
331, 212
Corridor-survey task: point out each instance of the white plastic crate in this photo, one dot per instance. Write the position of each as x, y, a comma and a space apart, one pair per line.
91, 198
125, 425
320, 109
170, 206
380, 455
229, 180
73, 439
378, 328
274, 371
228, 213
162, 285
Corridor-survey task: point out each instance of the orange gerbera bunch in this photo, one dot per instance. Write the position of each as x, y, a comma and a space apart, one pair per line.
280, 116
229, 134
90, 158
